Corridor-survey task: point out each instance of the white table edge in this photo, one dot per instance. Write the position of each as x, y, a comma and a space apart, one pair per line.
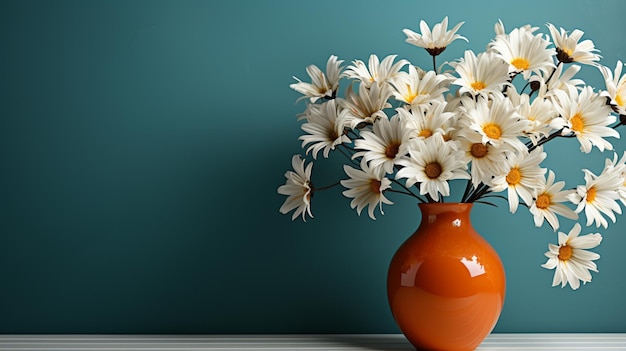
309, 342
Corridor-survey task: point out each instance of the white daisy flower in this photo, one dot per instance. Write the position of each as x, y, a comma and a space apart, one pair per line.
615, 87
568, 49
559, 80
324, 130
598, 196
482, 74
537, 114
486, 160
523, 177
497, 121
366, 106
424, 123
548, 202
384, 145
587, 116
366, 187
309, 109
498, 28
416, 89
570, 258
619, 168
322, 85
379, 72
526, 53
434, 42
298, 189
432, 163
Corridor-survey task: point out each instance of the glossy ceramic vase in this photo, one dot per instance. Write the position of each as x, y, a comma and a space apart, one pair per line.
446, 284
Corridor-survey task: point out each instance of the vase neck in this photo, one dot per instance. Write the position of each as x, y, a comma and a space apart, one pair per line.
456, 214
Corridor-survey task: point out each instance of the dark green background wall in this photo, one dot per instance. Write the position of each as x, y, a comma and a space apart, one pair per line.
142, 142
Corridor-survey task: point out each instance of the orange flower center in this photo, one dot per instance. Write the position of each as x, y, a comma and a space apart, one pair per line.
514, 177
520, 63
591, 194
433, 170
478, 85
492, 131
578, 124
565, 252
479, 150
426, 133
543, 201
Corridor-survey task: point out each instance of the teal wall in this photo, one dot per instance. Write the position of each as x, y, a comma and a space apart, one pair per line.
142, 142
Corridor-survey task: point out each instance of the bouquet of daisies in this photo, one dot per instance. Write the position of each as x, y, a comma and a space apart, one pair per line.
482, 119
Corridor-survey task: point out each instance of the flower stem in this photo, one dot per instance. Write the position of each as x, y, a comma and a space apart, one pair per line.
478, 193
548, 138
554, 71
403, 193
468, 188
346, 153
408, 191
325, 187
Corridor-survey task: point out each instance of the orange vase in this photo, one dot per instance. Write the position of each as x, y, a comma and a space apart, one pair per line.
446, 284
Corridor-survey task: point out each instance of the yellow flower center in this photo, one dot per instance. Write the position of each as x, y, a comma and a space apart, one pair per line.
568, 51
564, 55
375, 186
565, 252
410, 95
478, 85
479, 150
426, 133
433, 170
492, 131
619, 100
543, 201
514, 177
578, 124
392, 150
591, 194
520, 63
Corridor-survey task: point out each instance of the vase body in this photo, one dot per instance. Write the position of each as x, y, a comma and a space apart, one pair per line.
446, 284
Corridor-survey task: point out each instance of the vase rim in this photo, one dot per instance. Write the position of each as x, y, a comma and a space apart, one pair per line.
448, 206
